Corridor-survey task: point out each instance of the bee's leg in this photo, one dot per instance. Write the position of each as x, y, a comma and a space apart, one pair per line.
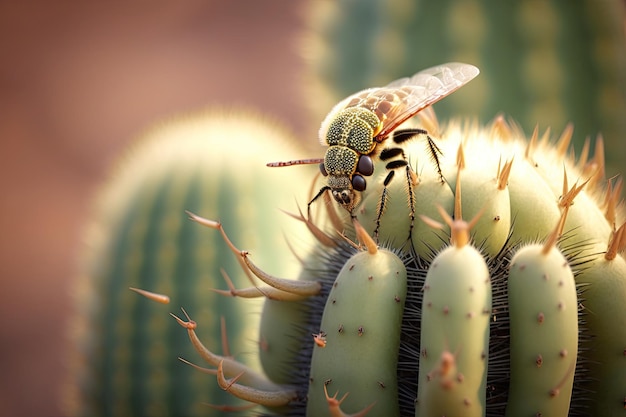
402, 135
383, 203
318, 195
411, 178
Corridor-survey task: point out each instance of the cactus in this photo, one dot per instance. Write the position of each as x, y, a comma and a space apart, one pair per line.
542, 302
362, 321
127, 348
547, 62
456, 309
473, 315
455, 323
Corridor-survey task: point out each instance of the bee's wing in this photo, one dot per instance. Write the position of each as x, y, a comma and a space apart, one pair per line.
423, 89
403, 98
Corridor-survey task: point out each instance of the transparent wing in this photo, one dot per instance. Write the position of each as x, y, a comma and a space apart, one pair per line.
403, 98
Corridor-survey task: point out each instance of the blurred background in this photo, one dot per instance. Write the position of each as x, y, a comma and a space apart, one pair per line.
78, 81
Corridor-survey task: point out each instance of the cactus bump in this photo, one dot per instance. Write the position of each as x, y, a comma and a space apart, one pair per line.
456, 311
361, 325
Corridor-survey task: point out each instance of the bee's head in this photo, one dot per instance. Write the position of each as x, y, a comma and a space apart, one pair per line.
346, 191
345, 170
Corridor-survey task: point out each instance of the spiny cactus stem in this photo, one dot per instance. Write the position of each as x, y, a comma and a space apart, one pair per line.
298, 288
255, 292
460, 157
562, 145
159, 298
213, 225
504, 174
617, 243
217, 225
277, 398
554, 236
320, 339
202, 369
557, 389
331, 212
612, 199
593, 168
231, 366
501, 128
532, 144
570, 193
459, 229
365, 238
567, 199
334, 405
321, 237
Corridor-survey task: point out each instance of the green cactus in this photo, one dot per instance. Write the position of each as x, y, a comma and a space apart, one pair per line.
542, 303
456, 310
467, 360
361, 328
210, 162
468, 357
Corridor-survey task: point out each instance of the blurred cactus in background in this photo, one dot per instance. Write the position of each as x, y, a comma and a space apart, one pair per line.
542, 62
211, 162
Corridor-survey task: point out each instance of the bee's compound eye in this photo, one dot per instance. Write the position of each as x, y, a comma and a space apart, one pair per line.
358, 183
323, 169
365, 165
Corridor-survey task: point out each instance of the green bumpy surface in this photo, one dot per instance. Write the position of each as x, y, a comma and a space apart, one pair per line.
362, 321
543, 310
456, 311
210, 163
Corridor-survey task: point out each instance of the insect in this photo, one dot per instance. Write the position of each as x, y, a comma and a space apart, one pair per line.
357, 126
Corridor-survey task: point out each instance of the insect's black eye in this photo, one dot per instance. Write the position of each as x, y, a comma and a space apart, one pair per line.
358, 183
323, 169
365, 166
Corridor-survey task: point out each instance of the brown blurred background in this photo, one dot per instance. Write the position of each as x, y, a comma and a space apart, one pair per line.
77, 82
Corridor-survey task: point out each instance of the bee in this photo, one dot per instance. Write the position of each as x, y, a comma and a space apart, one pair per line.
356, 128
